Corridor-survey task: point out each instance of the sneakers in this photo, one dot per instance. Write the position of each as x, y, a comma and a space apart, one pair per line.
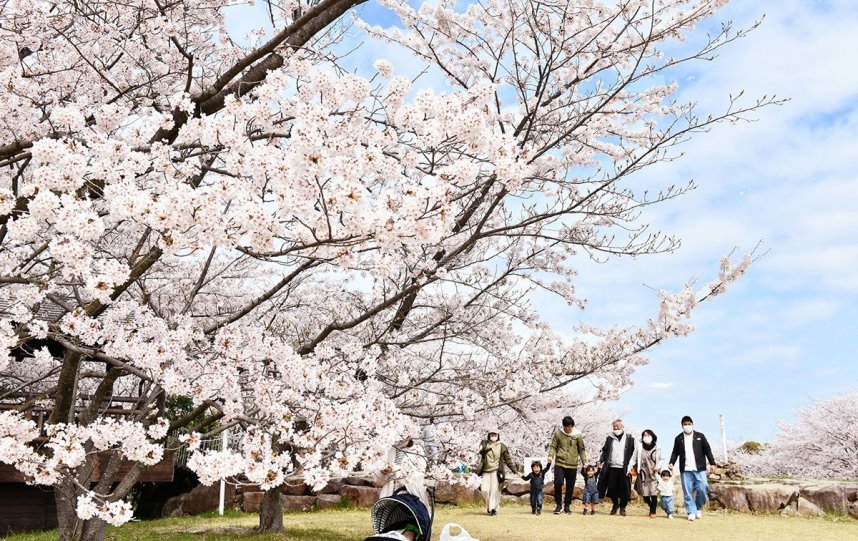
539, 511
652, 515
622, 511
614, 509
699, 514
567, 510
670, 517
692, 517
493, 513
592, 511
585, 511
557, 510
533, 511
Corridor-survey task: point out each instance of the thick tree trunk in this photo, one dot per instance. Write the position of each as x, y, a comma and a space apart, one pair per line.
72, 528
271, 511
93, 530
66, 493
65, 496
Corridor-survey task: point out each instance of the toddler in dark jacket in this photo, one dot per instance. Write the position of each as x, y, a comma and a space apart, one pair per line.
591, 490
537, 482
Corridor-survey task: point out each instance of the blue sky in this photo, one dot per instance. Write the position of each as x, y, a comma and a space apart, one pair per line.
784, 334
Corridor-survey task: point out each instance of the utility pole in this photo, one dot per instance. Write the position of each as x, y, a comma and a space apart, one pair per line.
724, 438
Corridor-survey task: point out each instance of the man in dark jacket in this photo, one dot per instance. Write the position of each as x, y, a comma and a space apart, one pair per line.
618, 454
692, 449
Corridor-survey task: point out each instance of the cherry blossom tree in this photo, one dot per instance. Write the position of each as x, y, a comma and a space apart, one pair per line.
319, 259
821, 443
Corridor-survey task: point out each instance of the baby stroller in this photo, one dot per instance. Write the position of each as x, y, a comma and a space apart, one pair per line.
402, 511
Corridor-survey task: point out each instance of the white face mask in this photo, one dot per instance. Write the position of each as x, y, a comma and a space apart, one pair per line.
493, 439
618, 432
647, 440
688, 429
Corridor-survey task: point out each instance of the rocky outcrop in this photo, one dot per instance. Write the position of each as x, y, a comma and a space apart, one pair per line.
517, 488
792, 497
328, 501
296, 496
295, 488
727, 472
200, 499
298, 503
456, 494
836, 498
360, 496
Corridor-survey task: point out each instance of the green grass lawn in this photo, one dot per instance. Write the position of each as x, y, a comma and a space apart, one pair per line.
514, 523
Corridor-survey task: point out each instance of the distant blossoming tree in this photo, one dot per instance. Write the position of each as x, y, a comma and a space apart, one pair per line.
320, 260
821, 443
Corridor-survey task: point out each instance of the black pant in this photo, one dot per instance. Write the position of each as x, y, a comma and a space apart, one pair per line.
652, 502
561, 474
618, 487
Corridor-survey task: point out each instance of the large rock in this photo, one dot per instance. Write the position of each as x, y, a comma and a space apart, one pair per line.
729, 496
173, 507
201, 499
251, 501
755, 498
768, 498
295, 488
333, 486
297, 503
517, 488
328, 501
791, 496
853, 509
807, 508
456, 494
359, 496
833, 498
362, 481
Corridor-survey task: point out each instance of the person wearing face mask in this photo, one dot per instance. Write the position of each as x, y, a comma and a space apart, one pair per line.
617, 458
493, 456
566, 450
649, 464
692, 449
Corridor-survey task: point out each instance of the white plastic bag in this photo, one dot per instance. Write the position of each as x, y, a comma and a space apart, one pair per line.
463, 534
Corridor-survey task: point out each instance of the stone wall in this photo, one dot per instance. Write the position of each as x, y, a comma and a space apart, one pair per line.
801, 497
296, 496
789, 496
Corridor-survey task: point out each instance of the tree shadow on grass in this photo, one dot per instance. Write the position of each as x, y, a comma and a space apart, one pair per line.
241, 533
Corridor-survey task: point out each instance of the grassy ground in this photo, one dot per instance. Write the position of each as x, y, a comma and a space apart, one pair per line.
515, 523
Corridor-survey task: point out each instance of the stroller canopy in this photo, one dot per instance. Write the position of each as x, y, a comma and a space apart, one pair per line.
400, 509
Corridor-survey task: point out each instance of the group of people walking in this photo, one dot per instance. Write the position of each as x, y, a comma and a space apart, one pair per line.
623, 462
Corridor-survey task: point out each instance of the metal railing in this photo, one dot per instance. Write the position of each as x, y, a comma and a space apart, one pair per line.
208, 444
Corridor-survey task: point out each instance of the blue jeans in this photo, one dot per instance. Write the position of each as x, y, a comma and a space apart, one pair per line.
536, 499
667, 504
591, 496
694, 490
